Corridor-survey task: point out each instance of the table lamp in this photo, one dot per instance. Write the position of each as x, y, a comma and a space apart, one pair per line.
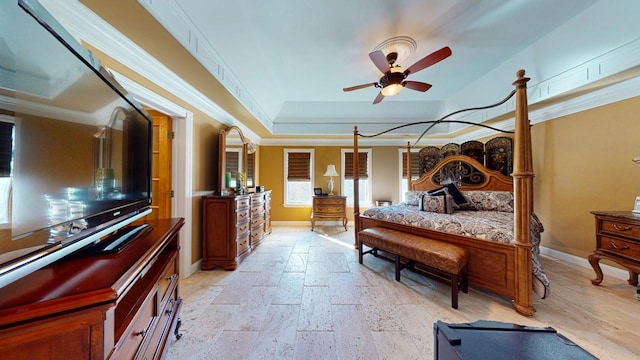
331, 172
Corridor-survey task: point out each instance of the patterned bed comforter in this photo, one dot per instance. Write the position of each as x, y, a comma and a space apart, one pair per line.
488, 225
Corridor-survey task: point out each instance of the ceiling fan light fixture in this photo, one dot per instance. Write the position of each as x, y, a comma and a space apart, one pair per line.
392, 89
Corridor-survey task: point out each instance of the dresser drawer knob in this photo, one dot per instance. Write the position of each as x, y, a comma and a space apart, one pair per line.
140, 333
626, 228
613, 245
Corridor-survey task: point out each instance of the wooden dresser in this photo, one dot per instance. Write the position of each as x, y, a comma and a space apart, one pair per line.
329, 207
617, 239
232, 226
109, 306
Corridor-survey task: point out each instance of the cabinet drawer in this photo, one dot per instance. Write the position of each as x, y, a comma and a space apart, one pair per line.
135, 333
620, 247
242, 229
330, 201
255, 211
329, 209
242, 243
620, 228
256, 235
257, 220
169, 276
242, 202
257, 200
242, 215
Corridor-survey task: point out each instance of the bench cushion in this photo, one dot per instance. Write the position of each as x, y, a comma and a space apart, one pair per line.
440, 255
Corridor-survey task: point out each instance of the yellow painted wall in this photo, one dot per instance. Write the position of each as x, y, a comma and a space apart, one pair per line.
582, 163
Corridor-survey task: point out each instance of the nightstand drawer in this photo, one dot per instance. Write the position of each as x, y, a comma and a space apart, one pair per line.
620, 228
329, 209
330, 201
620, 247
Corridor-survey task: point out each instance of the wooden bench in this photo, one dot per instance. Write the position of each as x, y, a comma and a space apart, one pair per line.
443, 259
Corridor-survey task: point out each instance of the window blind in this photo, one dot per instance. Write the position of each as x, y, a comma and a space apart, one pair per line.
250, 169
299, 166
232, 161
362, 165
415, 165
6, 148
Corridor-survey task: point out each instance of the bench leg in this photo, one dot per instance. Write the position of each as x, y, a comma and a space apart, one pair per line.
398, 268
360, 254
454, 291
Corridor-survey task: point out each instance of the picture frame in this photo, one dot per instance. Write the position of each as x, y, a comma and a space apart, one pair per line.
317, 191
636, 206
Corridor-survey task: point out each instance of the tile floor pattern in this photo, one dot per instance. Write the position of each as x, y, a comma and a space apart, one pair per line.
303, 295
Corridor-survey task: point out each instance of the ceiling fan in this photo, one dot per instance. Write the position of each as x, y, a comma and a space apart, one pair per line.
393, 76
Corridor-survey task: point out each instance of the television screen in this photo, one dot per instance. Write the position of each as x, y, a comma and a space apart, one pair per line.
75, 149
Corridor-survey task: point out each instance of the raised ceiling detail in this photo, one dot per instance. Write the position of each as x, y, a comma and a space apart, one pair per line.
404, 46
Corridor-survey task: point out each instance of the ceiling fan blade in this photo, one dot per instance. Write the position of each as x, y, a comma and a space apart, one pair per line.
358, 87
379, 60
429, 60
378, 98
416, 85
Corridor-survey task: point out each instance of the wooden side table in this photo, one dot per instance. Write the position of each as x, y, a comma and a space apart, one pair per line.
617, 239
329, 207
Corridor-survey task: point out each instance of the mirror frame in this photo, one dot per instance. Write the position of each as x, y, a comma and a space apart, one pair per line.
247, 147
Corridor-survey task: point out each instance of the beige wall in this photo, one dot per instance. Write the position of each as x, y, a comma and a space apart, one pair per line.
583, 163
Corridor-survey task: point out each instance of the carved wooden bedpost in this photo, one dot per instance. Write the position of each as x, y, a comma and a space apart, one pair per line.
409, 166
523, 202
356, 187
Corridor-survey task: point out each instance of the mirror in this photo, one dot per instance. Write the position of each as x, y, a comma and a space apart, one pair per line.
236, 156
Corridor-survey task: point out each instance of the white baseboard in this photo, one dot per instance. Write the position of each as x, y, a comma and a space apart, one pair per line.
308, 223
575, 260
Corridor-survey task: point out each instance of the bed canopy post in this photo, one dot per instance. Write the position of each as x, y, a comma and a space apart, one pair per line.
523, 199
409, 165
356, 186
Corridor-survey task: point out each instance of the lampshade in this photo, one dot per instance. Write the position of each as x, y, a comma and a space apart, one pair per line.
331, 171
390, 90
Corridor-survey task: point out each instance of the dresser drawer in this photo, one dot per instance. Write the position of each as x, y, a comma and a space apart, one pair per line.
620, 247
136, 331
255, 211
242, 202
257, 200
256, 235
257, 220
620, 228
242, 243
242, 215
242, 229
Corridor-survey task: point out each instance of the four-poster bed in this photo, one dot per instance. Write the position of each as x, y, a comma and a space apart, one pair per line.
503, 267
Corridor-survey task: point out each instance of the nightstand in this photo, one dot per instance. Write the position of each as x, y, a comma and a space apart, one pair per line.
617, 239
329, 207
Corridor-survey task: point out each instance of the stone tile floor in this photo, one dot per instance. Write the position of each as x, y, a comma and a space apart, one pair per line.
303, 295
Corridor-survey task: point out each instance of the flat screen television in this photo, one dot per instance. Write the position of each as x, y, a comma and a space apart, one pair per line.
75, 149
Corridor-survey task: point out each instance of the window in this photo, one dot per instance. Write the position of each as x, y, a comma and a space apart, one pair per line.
415, 169
297, 176
364, 164
6, 169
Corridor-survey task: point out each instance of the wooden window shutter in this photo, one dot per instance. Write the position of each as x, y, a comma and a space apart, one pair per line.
299, 166
250, 169
415, 165
232, 161
362, 165
6, 148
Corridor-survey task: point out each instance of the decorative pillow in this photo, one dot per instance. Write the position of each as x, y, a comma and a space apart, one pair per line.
460, 202
436, 203
412, 197
491, 200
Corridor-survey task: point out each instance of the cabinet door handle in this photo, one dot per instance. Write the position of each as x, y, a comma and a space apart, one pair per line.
626, 228
140, 333
613, 245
